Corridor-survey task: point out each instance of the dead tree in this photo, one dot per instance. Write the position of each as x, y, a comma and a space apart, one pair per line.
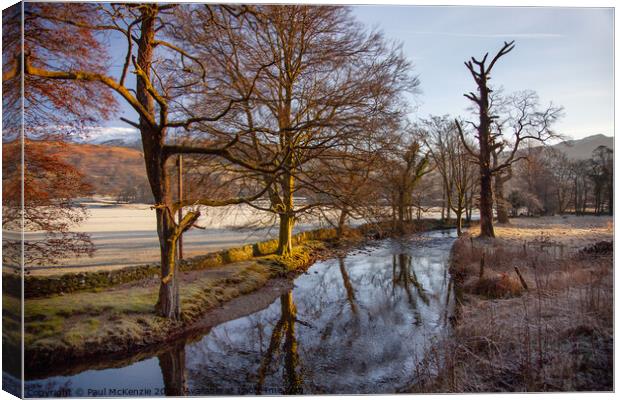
522, 119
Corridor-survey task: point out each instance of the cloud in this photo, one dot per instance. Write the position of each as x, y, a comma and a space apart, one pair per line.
101, 134
491, 35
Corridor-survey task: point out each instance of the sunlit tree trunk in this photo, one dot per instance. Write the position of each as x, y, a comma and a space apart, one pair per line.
287, 217
285, 236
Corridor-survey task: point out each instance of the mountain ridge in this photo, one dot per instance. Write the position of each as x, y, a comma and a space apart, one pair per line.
581, 149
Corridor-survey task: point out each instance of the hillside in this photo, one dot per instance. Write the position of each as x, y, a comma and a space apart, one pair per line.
581, 149
118, 170
111, 170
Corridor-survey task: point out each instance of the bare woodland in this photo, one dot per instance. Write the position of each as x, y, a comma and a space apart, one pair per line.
288, 109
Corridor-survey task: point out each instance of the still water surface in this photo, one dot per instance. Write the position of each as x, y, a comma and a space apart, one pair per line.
357, 324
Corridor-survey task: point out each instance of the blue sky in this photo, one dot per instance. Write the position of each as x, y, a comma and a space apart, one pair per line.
564, 54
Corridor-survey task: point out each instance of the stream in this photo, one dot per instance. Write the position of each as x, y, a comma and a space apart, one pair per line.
356, 324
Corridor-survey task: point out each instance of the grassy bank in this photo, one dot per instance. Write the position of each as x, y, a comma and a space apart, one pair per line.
551, 329
121, 319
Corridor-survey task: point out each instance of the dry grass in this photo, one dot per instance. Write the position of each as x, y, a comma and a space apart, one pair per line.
497, 286
555, 336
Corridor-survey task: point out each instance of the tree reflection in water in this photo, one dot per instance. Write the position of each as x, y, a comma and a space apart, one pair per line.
172, 364
346, 281
286, 325
355, 324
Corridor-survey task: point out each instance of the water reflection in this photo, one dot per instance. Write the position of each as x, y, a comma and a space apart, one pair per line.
172, 364
284, 327
355, 324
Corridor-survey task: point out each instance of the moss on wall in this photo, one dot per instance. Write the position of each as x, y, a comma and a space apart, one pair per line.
43, 286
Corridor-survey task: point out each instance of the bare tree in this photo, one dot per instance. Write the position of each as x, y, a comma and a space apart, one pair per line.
351, 187
601, 174
442, 139
523, 120
561, 168
311, 103
453, 163
580, 186
155, 99
403, 174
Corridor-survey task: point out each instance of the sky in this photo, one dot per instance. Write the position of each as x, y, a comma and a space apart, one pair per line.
564, 54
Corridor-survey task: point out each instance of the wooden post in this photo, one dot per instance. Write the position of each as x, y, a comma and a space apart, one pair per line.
523, 283
180, 175
481, 273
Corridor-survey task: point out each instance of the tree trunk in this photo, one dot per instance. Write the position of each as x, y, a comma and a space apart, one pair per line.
443, 204
285, 236
484, 161
486, 205
448, 203
168, 304
342, 220
459, 222
401, 213
468, 207
500, 202
575, 197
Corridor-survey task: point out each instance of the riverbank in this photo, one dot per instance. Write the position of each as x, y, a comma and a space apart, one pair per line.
536, 310
119, 319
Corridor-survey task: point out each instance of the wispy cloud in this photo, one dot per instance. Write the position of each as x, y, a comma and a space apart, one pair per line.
491, 35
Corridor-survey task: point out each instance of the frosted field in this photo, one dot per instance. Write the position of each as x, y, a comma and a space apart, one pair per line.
125, 234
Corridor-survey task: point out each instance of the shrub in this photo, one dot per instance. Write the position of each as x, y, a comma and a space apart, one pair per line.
498, 286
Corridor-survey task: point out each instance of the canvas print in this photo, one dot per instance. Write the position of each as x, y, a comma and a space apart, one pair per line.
267, 199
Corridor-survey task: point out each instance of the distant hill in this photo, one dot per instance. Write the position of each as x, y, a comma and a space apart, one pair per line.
112, 170
136, 144
580, 149
116, 168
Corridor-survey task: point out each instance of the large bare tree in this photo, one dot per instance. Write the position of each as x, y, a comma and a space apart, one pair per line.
452, 162
155, 98
328, 79
522, 122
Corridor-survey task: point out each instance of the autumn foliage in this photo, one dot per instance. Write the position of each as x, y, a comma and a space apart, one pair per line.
50, 188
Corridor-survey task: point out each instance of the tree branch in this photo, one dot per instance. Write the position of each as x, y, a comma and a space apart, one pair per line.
92, 77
